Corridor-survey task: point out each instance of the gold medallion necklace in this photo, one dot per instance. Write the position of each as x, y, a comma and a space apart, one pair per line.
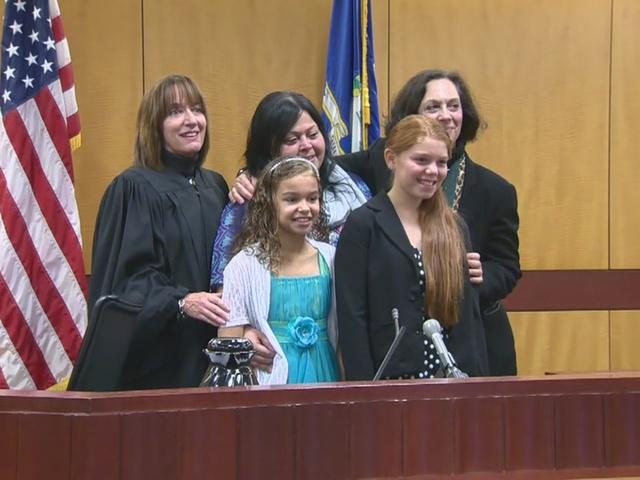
457, 192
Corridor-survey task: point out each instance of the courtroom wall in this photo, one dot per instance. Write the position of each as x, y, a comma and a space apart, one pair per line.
554, 79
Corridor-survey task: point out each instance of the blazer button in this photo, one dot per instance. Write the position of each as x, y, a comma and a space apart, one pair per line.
412, 298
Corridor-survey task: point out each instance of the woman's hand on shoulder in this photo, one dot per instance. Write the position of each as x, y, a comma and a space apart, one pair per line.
206, 307
475, 268
243, 188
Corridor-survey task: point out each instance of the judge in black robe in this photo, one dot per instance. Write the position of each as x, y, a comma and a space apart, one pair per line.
152, 245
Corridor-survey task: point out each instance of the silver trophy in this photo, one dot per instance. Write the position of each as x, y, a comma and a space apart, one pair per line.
229, 363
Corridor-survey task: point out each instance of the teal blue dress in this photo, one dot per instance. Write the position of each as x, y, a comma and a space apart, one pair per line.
298, 311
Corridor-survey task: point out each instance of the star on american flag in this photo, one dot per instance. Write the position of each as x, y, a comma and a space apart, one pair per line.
27, 63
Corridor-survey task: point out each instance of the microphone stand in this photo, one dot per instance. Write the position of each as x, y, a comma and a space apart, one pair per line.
390, 352
394, 345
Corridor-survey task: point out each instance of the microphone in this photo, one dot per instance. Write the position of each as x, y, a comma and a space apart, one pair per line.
394, 345
431, 328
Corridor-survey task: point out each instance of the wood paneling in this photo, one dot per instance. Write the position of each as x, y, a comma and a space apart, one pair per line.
432, 452
547, 107
625, 117
576, 341
321, 428
479, 435
556, 342
50, 436
375, 432
546, 76
8, 445
89, 457
202, 453
107, 65
526, 420
266, 443
625, 338
579, 438
576, 290
237, 52
149, 444
539, 70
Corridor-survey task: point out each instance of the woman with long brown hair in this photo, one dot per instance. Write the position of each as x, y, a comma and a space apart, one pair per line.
405, 250
152, 240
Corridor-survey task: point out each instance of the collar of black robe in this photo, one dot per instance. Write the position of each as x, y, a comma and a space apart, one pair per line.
185, 166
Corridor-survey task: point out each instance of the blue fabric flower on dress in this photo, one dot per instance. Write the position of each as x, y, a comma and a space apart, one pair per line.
303, 331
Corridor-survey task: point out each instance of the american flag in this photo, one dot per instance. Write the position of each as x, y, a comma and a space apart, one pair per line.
43, 310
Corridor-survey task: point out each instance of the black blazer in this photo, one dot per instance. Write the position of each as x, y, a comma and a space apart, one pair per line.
375, 272
489, 206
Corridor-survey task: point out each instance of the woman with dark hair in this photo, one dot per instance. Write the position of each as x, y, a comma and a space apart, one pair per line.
153, 235
286, 124
486, 201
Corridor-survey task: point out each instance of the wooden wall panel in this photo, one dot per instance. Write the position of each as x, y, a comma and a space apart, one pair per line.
8, 445
539, 70
49, 435
237, 52
625, 117
89, 457
561, 342
107, 65
625, 338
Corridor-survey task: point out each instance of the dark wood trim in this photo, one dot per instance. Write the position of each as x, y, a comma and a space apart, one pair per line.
551, 290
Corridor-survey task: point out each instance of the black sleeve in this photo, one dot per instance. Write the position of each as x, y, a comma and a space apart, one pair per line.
352, 298
360, 164
129, 252
500, 258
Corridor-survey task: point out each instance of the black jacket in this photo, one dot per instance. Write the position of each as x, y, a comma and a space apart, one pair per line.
375, 272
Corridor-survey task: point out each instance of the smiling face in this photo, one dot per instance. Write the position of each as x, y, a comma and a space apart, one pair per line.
304, 140
418, 171
441, 102
184, 128
297, 204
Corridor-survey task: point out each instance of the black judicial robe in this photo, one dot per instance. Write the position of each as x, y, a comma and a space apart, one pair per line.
152, 246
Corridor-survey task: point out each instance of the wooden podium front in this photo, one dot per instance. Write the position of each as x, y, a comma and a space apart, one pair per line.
540, 427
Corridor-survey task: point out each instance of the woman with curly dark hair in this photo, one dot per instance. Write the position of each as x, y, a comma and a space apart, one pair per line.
280, 281
287, 124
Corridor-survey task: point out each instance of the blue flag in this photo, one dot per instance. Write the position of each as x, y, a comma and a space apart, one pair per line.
350, 100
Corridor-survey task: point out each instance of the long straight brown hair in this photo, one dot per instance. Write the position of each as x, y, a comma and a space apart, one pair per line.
443, 246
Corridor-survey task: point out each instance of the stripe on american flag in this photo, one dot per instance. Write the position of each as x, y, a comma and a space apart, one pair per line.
42, 281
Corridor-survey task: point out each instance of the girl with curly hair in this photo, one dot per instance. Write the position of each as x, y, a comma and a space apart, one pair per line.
280, 281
